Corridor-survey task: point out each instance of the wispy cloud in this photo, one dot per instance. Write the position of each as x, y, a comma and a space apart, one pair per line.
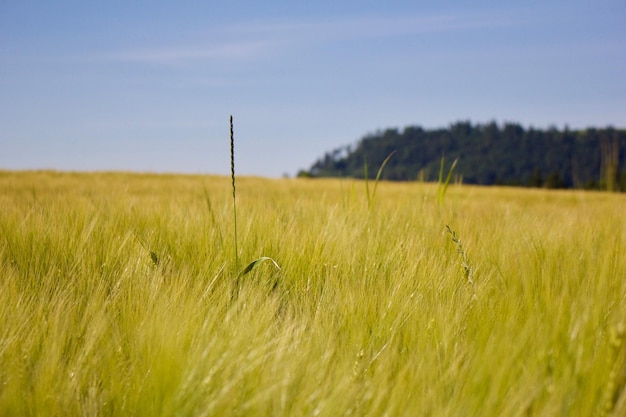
252, 40
368, 27
247, 49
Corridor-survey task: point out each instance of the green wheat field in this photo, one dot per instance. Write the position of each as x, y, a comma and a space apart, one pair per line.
121, 295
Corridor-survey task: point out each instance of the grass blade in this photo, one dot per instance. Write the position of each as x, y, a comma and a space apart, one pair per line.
442, 186
255, 263
380, 171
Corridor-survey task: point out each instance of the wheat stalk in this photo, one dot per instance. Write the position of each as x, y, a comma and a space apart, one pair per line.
232, 176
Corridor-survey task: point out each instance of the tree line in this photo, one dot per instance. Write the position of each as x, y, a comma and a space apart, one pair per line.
488, 154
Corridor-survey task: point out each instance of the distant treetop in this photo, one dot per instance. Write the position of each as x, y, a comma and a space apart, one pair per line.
488, 154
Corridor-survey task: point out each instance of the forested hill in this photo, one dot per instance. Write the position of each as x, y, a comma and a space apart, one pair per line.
487, 154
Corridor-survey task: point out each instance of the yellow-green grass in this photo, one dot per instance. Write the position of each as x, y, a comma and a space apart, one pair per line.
117, 298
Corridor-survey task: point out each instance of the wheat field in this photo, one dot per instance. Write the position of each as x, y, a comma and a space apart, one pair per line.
120, 295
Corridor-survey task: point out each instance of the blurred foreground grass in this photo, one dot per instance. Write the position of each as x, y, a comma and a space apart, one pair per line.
117, 298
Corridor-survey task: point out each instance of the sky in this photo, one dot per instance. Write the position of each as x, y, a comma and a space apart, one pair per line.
149, 86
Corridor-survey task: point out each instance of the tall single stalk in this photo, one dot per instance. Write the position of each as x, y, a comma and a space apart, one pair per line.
232, 176
262, 259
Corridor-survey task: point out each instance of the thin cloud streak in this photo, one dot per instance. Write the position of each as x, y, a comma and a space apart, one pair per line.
171, 55
368, 27
257, 40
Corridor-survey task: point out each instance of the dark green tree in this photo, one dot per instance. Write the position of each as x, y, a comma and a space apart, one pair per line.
488, 154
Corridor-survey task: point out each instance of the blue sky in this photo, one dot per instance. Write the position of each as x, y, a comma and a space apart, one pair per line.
149, 85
